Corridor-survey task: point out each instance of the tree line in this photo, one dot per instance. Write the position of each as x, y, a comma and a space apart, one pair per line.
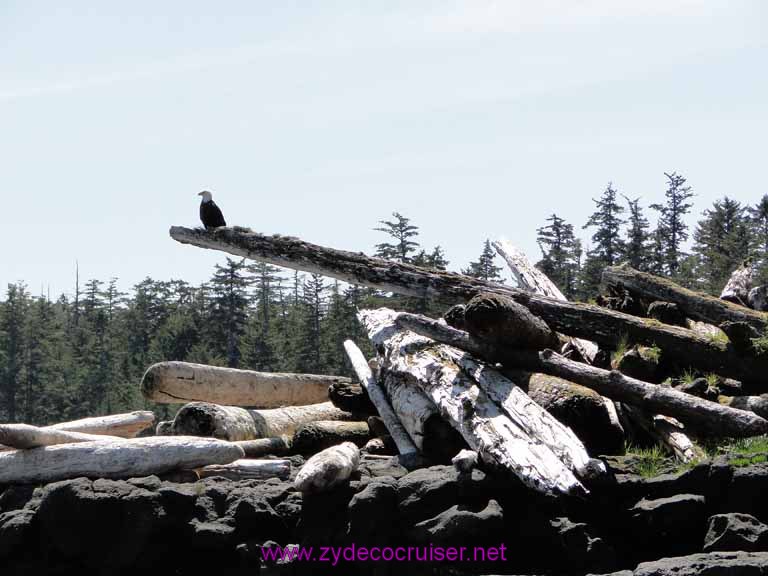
84, 354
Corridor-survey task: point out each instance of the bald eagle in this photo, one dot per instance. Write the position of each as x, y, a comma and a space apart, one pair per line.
209, 212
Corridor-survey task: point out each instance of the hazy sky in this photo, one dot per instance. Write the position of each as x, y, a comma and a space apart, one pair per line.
316, 119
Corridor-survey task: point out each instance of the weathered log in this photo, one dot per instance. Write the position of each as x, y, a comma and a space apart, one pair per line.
739, 284
465, 461
709, 417
235, 423
164, 428
666, 312
182, 382
497, 319
351, 397
328, 468
123, 425
756, 404
572, 318
534, 280
665, 430
758, 298
248, 470
519, 436
124, 458
695, 305
316, 436
379, 399
24, 436
276, 446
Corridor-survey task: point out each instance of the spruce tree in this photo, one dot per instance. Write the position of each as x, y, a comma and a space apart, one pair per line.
637, 251
12, 342
402, 232
230, 299
608, 245
672, 229
561, 254
484, 268
758, 218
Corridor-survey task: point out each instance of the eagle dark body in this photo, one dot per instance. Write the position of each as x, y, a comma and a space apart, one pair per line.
211, 215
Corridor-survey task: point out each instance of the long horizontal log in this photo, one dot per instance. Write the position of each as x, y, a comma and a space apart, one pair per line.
665, 430
182, 382
586, 321
124, 458
316, 436
709, 417
695, 305
756, 404
379, 398
248, 470
235, 423
24, 436
328, 468
276, 446
518, 437
124, 425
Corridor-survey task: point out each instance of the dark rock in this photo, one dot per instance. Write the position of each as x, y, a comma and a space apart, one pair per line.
640, 362
16, 496
377, 426
213, 535
758, 298
453, 526
455, 316
735, 531
423, 491
580, 548
15, 528
741, 335
712, 564
378, 467
253, 516
671, 526
746, 492
666, 312
378, 500
699, 387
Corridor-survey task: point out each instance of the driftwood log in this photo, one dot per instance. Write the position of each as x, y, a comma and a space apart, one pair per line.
594, 323
739, 284
379, 399
708, 417
124, 458
316, 436
235, 423
495, 418
248, 470
665, 430
756, 404
182, 382
277, 446
123, 425
24, 436
351, 397
695, 305
328, 468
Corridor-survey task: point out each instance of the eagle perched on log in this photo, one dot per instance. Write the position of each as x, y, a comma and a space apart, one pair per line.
210, 214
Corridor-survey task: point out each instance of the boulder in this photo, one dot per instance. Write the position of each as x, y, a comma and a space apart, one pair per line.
453, 526
711, 564
735, 531
671, 526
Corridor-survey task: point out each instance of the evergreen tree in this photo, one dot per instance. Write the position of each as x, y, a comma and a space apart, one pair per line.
483, 268
672, 229
758, 217
561, 254
12, 342
636, 250
608, 244
230, 299
401, 231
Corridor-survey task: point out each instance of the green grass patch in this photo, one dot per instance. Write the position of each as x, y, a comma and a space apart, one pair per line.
652, 353
621, 348
688, 376
760, 344
649, 460
749, 460
718, 337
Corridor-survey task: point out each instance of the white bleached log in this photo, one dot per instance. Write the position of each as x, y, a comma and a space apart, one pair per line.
247, 469
124, 458
182, 382
24, 436
515, 437
377, 395
235, 423
124, 425
265, 446
465, 461
666, 430
328, 468
739, 284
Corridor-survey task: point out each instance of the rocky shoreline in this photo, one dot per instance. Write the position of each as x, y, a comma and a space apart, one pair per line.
708, 519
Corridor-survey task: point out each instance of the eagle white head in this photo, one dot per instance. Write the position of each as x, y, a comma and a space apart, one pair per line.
207, 196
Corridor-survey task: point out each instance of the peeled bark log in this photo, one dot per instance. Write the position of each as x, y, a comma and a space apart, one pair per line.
124, 458
277, 446
756, 404
707, 416
739, 284
123, 425
379, 399
665, 430
248, 470
571, 318
521, 437
235, 423
183, 382
328, 468
534, 280
695, 305
24, 436
316, 436
498, 319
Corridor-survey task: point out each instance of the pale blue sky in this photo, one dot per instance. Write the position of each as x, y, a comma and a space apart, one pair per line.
475, 119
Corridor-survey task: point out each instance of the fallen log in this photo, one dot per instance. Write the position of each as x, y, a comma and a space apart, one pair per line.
235, 423
351, 397
182, 382
164, 428
328, 468
248, 470
520, 437
277, 446
665, 430
739, 284
695, 305
123, 425
758, 298
24, 436
124, 458
316, 436
534, 280
756, 404
379, 399
709, 417
571, 318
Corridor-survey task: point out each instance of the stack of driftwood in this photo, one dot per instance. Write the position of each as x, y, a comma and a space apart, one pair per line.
533, 385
